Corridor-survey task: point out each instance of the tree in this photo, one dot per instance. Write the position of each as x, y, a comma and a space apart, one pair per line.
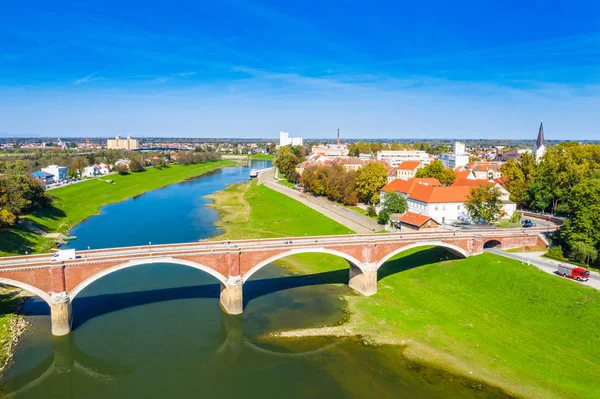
583, 225
370, 179
122, 169
516, 184
20, 194
137, 165
393, 203
436, 170
78, 165
583, 252
286, 161
483, 203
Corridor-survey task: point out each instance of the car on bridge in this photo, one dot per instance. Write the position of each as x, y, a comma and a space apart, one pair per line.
527, 223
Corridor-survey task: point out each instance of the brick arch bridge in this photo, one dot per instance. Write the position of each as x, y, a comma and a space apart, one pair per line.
234, 262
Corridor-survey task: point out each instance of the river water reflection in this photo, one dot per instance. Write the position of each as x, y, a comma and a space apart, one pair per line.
157, 331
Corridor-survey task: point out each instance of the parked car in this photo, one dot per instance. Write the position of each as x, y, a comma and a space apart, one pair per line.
527, 223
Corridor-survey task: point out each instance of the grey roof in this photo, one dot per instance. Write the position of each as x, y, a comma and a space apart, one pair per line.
540, 138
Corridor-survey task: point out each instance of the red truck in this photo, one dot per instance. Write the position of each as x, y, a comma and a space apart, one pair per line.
576, 273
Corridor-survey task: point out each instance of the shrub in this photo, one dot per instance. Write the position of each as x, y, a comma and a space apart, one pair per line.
556, 252
516, 217
371, 211
383, 217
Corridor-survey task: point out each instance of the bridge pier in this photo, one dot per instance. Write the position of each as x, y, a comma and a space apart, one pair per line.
61, 314
231, 296
363, 281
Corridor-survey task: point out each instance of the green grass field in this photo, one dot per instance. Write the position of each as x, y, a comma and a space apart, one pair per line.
267, 157
77, 202
247, 210
486, 317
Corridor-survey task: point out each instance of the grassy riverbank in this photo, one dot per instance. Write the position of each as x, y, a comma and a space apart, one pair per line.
247, 210
77, 202
486, 317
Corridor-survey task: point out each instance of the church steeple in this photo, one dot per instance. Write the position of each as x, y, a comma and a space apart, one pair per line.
539, 149
541, 141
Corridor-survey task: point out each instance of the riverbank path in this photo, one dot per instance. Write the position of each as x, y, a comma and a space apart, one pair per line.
352, 220
544, 264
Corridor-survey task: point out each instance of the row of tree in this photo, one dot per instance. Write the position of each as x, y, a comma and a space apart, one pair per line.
566, 181
362, 147
346, 186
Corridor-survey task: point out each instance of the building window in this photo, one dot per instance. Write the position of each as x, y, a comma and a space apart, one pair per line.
436, 208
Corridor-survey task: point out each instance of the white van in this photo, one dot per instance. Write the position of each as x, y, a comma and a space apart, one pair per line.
64, 254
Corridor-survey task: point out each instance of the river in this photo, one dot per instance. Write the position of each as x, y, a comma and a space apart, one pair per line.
157, 331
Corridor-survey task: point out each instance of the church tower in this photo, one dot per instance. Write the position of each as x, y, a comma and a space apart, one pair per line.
539, 149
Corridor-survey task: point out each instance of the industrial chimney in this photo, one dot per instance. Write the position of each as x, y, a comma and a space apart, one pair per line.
338, 137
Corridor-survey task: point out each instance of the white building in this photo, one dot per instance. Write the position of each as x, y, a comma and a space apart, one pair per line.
443, 204
457, 159
104, 168
91, 171
59, 172
407, 169
395, 158
285, 139
330, 151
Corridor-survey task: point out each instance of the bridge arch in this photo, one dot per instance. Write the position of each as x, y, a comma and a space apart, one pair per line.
296, 251
27, 287
451, 247
493, 243
145, 261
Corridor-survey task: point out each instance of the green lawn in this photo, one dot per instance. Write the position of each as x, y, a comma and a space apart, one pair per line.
267, 157
76, 202
251, 211
486, 317
286, 183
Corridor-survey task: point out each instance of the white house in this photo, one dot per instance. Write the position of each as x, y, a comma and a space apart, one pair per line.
104, 168
407, 169
91, 171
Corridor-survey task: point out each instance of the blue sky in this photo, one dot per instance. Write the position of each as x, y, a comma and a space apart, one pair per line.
427, 69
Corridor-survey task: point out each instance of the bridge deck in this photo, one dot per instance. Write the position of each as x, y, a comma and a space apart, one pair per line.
225, 246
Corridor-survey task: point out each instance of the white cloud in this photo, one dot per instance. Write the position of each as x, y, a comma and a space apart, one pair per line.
86, 79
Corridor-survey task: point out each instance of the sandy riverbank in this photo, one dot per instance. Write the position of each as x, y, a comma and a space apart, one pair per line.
15, 324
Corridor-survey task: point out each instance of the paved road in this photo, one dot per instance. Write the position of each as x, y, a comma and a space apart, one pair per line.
547, 265
346, 217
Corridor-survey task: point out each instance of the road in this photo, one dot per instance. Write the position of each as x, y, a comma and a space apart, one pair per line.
546, 265
345, 217
248, 245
